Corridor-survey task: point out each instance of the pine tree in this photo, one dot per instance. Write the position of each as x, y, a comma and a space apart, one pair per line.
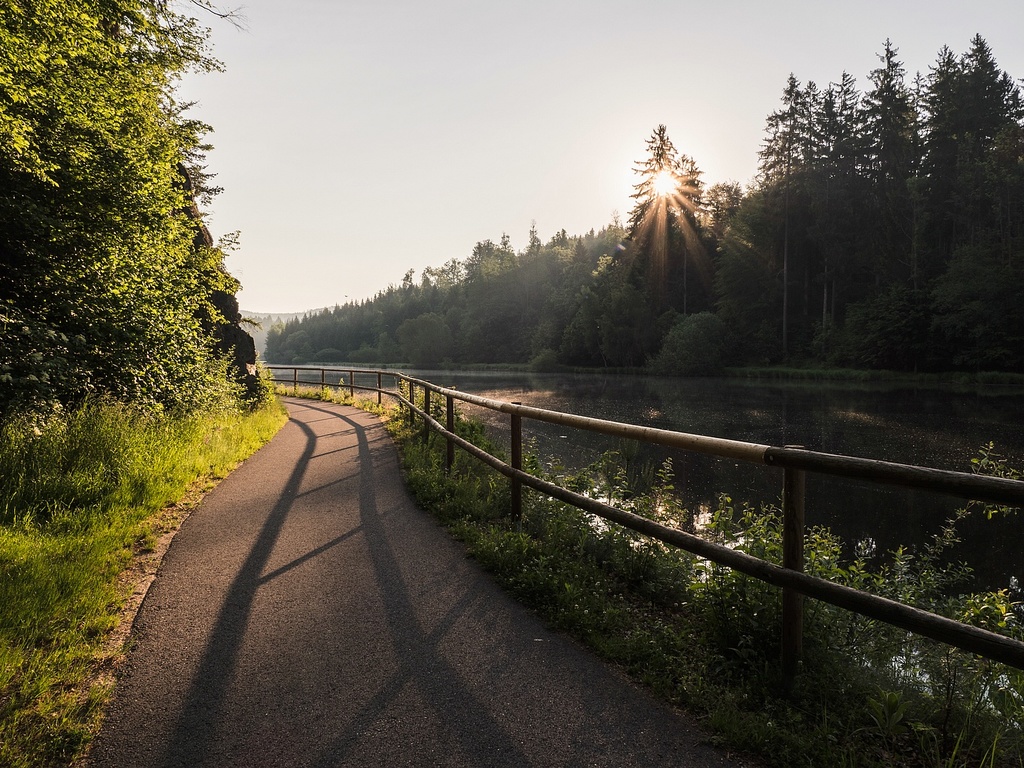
782, 166
969, 103
893, 147
663, 224
834, 189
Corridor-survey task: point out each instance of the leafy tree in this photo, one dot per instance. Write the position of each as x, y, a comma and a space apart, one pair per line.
890, 330
426, 340
109, 280
978, 311
695, 346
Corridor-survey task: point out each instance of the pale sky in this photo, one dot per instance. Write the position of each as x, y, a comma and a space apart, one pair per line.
358, 140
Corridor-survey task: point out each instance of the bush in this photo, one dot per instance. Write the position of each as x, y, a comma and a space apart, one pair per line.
329, 355
545, 361
695, 346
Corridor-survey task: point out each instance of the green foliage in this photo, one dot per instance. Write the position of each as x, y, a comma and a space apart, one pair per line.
706, 637
888, 331
105, 287
696, 346
989, 462
978, 309
884, 231
79, 494
496, 307
426, 340
545, 361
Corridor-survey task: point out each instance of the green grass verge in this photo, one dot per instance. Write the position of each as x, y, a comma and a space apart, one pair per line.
79, 496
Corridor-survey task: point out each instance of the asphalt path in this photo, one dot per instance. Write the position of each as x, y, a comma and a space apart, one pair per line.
309, 614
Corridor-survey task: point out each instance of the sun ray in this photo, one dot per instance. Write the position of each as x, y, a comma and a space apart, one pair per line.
665, 183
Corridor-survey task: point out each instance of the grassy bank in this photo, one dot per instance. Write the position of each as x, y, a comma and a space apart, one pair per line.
960, 380
80, 496
707, 639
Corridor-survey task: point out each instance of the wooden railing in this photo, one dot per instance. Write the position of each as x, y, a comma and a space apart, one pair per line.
794, 462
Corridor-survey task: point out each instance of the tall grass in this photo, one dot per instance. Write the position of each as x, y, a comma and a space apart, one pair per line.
78, 496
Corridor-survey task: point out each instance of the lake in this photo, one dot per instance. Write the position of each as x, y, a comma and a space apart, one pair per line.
940, 428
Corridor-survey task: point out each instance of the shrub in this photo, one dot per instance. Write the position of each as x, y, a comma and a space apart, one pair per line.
695, 346
545, 361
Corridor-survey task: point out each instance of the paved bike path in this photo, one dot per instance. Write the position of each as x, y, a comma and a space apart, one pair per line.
309, 614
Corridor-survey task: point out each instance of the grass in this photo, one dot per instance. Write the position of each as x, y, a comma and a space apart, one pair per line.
957, 380
80, 496
706, 639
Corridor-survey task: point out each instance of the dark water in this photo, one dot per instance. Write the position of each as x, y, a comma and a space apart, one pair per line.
924, 426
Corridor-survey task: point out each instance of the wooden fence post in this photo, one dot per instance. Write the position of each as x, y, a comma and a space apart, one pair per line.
351, 384
426, 414
793, 493
412, 402
295, 380
449, 459
517, 463
379, 386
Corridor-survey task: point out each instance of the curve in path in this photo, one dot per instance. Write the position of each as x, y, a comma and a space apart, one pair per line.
309, 614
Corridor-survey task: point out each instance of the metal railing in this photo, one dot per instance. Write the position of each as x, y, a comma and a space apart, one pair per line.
794, 462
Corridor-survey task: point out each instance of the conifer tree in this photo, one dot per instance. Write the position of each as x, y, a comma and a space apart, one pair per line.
663, 224
891, 136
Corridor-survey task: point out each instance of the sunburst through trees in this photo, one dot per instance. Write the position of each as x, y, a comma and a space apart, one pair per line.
663, 224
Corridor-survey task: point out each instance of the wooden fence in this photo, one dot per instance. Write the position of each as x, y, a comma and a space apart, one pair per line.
794, 462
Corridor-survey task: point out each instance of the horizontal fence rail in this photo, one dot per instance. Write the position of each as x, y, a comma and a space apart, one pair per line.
795, 462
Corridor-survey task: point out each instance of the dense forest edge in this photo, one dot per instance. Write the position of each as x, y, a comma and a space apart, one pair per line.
112, 286
884, 231
126, 379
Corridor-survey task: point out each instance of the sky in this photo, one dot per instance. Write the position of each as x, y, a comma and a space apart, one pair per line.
358, 139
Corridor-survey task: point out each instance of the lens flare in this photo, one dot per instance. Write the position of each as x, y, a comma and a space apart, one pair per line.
664, 184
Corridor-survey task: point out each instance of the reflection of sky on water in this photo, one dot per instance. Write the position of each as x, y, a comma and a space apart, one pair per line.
936, 428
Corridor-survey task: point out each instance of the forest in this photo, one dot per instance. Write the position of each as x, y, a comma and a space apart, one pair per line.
884, 230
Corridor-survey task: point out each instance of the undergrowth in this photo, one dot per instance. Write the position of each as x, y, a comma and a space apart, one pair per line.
706, 638
79, 492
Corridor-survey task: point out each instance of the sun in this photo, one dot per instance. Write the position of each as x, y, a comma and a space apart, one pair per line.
664, 183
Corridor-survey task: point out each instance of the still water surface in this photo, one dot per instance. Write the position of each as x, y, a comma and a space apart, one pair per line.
924, 426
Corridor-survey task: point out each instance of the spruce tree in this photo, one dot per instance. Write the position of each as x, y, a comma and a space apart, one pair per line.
663, 224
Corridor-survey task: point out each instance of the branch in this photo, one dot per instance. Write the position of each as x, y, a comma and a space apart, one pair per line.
235, 15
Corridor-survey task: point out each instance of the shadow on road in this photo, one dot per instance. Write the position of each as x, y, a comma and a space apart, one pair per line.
479, 735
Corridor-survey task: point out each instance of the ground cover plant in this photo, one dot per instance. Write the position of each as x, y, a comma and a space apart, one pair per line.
81, 493
707, 638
